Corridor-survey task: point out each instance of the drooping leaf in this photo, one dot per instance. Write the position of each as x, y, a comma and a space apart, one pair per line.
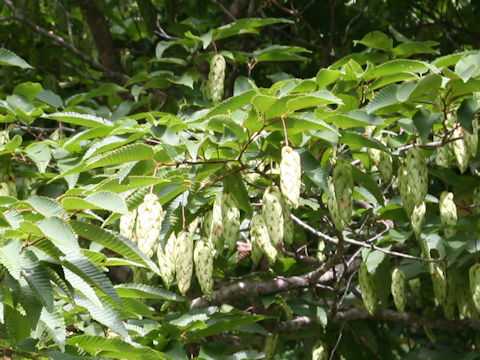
9, 58
142, 291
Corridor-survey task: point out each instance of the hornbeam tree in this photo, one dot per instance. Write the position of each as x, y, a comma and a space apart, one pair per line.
182, 207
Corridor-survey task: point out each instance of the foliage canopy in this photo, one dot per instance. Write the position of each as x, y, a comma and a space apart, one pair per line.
79, 153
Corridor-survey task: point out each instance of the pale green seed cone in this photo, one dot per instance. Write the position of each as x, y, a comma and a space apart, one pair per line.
259, 235
343, 187
230, 220
288, 225
270, 345
203, 258
417, 219
320, 351
385, 166
273, 216
367, 286
405, 190
290, 175
183, 261
333, 207
127, 225
257, 252
417, 175
462, 153
448, 212
439, 281
149, 224
398, 288
471, 139
443, 156
166, 261
465, 305
474, 280
216, 78
449, 304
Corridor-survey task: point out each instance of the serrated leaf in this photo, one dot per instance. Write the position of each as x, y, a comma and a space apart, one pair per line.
390, 95
368, 183
236, 187
37, 278
45, 206
326, 77
321, 97
354, 118
55, 326
80, 265
112, 241
357, 141
10, 257
424, 121
431, 82
106, 315
116, 347
81, 285
132, 152
109, 201
142, 291
9, 58
17, 325
465, 113
59, 232
468, 67
396, 66
376, 40
78, 119
40, 154
244, 26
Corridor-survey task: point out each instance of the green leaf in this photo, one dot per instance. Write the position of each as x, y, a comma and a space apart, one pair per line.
78, 119
16, 324
116, 348
59, 232
109, 201
357, 141
431, 82
376, 40
326, 77
410, 48
396, 66
368, 183
280, 53
141, 291
132, 152
466, 112
40, 154
55, 326
81, 266
390, 95
321, 97
354, 118
46, 206
50, 98
105, 315
236, 186
468, 67
9, 58
244, 26
10, 257
82, 286
424, 121
37, 278
112, 241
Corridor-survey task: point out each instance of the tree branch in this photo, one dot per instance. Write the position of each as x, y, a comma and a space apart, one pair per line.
101, 35
280, 284
387, 315
60, 42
